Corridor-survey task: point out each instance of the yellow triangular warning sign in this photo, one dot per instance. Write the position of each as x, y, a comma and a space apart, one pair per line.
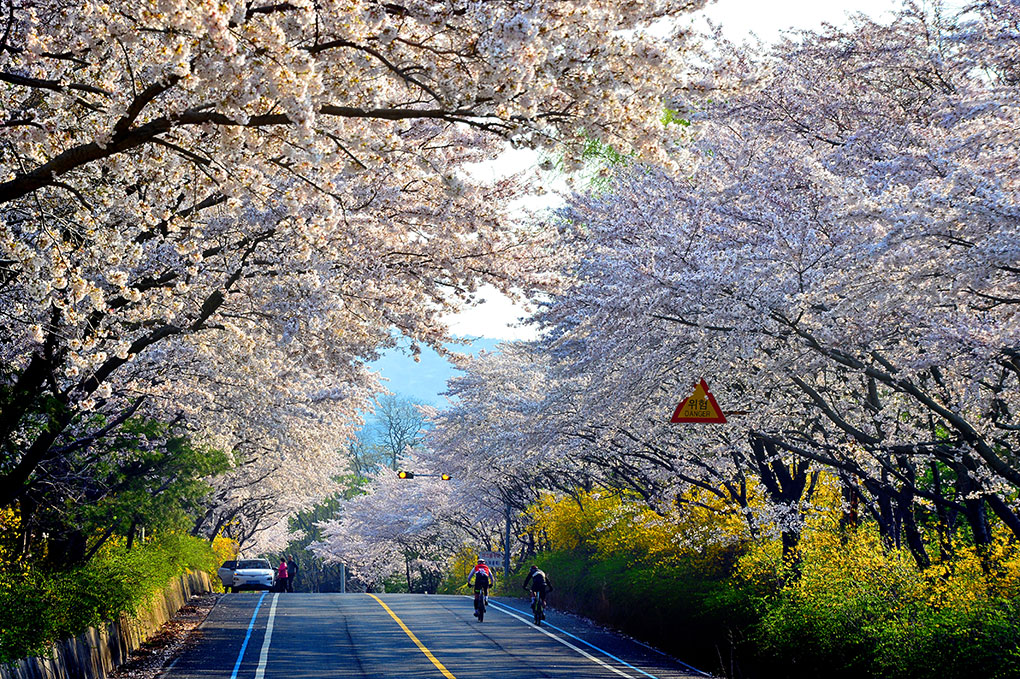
699, 407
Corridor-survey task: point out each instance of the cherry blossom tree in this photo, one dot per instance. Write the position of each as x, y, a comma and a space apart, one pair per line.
217, 212
400, 527
840, 262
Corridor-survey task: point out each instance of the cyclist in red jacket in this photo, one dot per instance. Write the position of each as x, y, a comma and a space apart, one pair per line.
483, 580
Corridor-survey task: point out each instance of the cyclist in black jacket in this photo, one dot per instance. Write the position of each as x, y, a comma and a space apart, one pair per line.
540, 584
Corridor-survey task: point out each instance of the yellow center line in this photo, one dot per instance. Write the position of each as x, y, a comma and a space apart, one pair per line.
421, 646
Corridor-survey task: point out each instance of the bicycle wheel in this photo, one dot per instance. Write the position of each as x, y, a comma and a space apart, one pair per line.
479, 607
537, 609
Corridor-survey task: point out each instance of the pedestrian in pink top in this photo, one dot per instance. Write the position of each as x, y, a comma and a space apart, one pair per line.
281, 575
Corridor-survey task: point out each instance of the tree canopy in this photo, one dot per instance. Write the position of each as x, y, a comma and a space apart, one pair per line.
840, 261
216, 212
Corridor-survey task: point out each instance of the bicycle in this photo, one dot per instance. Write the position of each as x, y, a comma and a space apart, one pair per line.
538, 608
480, 604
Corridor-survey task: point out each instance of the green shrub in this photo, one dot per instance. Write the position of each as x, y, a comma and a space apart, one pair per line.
862, 638
684, 608
861, 610
846, 606
42, 607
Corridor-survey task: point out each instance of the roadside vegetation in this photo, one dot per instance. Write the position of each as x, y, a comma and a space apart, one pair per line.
42, 605
846, 603
836, 264
103, 531
202, 251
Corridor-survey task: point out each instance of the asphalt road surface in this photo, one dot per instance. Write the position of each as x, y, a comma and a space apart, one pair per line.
406, 636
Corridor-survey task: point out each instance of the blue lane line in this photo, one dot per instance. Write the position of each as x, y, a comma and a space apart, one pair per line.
247, 636
607, 653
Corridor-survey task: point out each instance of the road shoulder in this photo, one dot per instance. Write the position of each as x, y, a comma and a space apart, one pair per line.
179, 633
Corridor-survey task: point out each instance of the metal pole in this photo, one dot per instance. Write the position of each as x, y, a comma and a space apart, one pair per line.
506, 552
343, 579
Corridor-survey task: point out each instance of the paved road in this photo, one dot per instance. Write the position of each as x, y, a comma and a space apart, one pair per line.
405, 636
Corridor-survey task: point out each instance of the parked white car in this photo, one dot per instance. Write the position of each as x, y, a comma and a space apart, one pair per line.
226, 573
252, 574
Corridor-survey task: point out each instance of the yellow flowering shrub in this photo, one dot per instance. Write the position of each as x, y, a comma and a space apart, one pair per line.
10, 522
224, 548
851, 607
609, 523
844, 605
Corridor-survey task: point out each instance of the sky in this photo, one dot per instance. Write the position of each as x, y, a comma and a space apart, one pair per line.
424, 381
498, 318
740, 18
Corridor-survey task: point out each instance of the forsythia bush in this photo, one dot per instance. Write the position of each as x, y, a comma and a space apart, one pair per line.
40, 607
659, 578
9, 523
858, 610
846, 607
224, 549
607, 524
460, 565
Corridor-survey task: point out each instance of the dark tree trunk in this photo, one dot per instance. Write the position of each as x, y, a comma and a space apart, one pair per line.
131, 534
905, 505
883, 513
784, 484
850, 519
1005, 514
973, 507
944, 524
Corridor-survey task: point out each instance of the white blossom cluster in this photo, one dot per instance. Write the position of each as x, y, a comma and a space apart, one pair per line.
841, 263
410, 528
218, 211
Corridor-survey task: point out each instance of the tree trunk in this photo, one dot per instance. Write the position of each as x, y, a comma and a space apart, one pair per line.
1006, 514
784, 485
973, 507
131, 533
905, 506
944, 526
850, 519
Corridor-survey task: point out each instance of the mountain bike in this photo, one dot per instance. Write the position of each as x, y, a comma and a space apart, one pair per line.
480, 604
538, 607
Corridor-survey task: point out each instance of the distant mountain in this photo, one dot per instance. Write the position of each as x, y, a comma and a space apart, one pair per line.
426, 380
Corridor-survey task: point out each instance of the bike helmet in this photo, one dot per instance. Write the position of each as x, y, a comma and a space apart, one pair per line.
534, 568
481, 560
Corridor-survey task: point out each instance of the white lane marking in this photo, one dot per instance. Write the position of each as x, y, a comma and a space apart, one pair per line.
574, 636
600, 650
655, 650
169, 668
260, 672
586, 654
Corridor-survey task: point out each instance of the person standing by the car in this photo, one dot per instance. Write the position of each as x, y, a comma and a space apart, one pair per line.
291, 572
281, 576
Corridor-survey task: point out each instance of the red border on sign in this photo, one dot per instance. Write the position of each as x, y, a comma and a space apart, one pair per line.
720, 419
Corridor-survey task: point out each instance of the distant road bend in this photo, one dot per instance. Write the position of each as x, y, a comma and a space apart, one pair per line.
406, 636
